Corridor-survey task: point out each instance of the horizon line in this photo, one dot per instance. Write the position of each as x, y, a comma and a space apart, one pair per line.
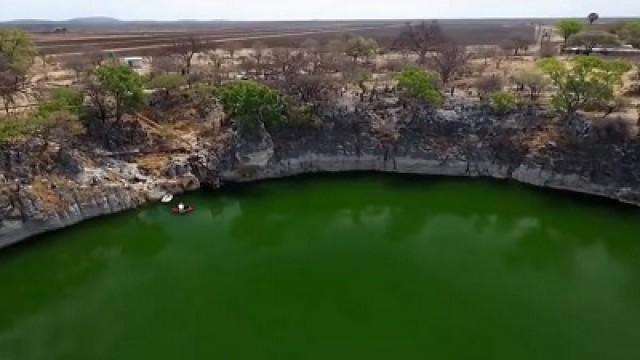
603, 17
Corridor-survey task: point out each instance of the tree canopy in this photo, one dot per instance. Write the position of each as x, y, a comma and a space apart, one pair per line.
122, 84
16, 56
569, 27
17, 48
586, 82
360, 47
592, 39
250, 104
420, 85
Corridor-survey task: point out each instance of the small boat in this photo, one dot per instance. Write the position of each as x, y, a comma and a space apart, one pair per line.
167, 199
187, 210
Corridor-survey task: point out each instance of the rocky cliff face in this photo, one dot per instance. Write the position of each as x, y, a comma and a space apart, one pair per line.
457, 141
44, 188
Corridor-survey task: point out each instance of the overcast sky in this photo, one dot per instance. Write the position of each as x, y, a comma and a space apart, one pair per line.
311, 9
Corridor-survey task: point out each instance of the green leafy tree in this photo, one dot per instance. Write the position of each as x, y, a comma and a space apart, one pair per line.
16, 56
569, 27
17, 48
421, 86
250, 104
587, 82
118, 86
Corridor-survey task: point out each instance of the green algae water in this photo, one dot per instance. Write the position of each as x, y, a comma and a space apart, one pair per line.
348, 267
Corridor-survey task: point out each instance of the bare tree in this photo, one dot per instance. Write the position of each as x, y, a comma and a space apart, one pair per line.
488, 85
13, 83
282, 59
515, 44
47, 60
89, 58
314, 54
216, 62
259, 51
187, 50
421, 39
486, 53
248, 65
313, 88
164, 64
232, 48
448, 60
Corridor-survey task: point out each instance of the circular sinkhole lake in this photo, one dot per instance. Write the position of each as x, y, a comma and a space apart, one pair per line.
334, 267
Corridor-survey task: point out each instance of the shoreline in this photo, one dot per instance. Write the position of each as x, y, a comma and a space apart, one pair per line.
121, 200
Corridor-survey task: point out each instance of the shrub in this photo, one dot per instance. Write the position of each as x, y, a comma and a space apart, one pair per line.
547, 50
503, 102
167, 82
419, 85
58, 117
203, 97
69, 100
251, 104
533, 81
12, 128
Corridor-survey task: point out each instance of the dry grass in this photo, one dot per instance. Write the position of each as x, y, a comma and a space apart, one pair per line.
154, 164
42, 189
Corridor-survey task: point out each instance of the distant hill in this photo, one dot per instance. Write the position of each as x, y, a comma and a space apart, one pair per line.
96, 20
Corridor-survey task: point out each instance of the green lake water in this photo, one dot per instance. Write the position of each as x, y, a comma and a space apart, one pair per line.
334, 267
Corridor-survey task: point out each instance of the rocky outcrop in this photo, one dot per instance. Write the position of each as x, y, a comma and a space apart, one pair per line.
460, 140
455, 142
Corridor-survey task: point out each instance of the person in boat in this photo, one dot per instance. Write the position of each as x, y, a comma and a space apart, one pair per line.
181, 208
